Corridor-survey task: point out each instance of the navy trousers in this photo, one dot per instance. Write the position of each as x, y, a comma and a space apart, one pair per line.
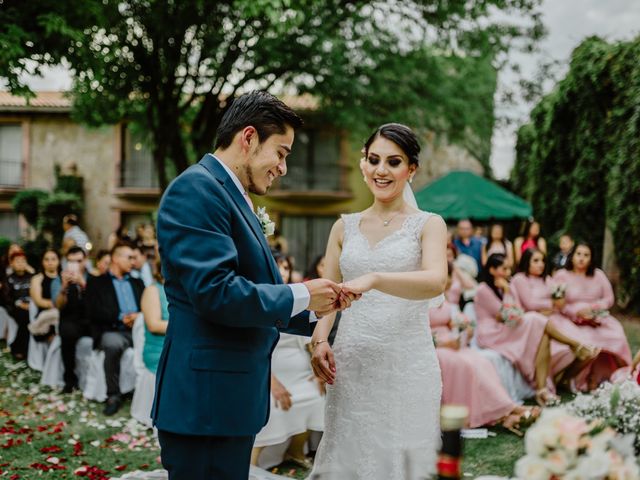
194, 457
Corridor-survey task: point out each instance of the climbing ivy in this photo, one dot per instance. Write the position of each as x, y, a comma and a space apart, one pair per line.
578, 159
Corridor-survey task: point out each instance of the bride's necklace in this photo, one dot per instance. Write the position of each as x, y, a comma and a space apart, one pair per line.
386, 223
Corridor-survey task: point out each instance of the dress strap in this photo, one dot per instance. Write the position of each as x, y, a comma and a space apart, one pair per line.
415, 223
351, 221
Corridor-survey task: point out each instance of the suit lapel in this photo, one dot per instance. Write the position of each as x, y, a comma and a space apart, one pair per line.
218, 171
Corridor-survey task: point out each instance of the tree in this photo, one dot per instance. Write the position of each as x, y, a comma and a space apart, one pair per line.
172, 66
577, 158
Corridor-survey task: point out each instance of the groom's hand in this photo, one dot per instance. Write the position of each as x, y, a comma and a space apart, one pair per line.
325, 295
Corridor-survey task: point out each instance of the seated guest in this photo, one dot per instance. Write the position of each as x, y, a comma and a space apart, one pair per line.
497, 242
468, 378
19, 282
141, 268
560, 258
103, 260
43, 292
297, 403
15, 248
73, 234
113, 303
468, 244
585, 316
531, 238
533, 292
74, 322
155, 309
4, 302
522, 338
121, 235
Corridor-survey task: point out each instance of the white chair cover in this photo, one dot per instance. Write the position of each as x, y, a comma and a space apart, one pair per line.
5, 327
94, 384
143, 398
512, 380
84, 350
53, 369
37, 350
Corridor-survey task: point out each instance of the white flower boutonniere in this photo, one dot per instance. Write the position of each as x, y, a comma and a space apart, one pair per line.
268, 227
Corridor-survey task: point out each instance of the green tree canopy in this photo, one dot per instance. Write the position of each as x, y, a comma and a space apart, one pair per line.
170, 65
578, 160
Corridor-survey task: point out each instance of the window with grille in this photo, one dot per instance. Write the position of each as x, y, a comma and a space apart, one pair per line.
137, 169
9, 226
307, 237
11, 155
314, 162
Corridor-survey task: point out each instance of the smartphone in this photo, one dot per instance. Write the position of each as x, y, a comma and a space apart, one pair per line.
73, 267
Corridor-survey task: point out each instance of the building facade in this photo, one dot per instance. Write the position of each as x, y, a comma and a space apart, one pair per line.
121, 186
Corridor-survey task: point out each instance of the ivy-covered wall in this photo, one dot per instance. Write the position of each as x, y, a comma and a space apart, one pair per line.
578, 159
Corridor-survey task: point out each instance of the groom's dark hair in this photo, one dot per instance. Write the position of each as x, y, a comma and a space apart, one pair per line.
259, 109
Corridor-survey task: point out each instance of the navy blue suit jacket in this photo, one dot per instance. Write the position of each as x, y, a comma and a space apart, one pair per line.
226, 305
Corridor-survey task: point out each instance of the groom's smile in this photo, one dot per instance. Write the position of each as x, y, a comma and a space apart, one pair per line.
268, 161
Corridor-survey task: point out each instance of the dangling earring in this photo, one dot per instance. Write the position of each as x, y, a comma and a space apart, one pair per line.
410, 179
364, 178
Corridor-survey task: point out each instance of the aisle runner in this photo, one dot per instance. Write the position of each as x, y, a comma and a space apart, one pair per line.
254, 474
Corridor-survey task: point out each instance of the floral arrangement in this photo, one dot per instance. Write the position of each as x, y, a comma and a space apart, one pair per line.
617, 404
460, 322
600, 313
511, 314
559, 291
561, 446
268, 226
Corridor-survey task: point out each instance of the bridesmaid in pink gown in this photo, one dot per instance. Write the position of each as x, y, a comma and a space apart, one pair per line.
467, 377
585, 316
531, 290
525, 341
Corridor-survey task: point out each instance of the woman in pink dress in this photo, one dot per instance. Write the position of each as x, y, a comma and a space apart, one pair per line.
522, 338
532, 291
585, 316
531, 238
467, 377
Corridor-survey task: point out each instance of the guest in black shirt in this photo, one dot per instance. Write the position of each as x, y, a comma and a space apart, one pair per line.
74, 322
19, 284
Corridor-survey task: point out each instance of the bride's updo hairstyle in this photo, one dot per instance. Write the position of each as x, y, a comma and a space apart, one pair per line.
402, 136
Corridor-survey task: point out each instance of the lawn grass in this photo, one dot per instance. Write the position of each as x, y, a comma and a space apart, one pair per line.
43, 418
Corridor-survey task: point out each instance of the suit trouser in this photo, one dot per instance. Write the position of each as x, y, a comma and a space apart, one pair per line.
70, 333
114, 344
195, 457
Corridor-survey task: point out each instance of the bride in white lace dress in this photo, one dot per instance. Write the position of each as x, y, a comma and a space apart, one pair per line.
383, 397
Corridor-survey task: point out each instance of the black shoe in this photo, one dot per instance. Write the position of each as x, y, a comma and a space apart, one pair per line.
68, 388
113, 405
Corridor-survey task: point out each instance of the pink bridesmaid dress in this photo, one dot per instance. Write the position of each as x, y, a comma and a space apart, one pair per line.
468, 378
533, 294
592, 292
519, 343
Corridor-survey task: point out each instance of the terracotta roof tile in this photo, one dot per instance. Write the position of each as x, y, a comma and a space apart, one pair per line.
42, 101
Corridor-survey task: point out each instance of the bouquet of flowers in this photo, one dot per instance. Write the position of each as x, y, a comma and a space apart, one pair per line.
600, 313
460, 322
616, 404
268, 226
561, 446
558, 291
511, 314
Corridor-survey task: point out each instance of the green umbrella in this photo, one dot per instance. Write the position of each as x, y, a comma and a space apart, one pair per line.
460, 195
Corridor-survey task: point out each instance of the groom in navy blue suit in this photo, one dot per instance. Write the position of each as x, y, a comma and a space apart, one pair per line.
226, 298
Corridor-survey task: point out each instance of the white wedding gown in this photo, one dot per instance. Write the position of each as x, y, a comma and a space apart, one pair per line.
382, 413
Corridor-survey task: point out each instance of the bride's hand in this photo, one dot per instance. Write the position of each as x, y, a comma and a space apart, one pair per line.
360, 285
323, 363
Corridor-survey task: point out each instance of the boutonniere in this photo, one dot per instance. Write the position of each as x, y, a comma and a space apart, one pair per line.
268, 226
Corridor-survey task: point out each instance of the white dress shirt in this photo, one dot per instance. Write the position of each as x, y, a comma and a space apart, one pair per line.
301, 295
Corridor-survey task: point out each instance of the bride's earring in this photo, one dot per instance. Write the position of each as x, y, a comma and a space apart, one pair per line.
364, 178
410, 179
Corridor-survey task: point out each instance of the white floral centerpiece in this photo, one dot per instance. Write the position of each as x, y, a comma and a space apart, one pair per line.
561, 446
617, 404
268, 226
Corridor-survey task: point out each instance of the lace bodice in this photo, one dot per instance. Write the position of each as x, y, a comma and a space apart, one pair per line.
382, 411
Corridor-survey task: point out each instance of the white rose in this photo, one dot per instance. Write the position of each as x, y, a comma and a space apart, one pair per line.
531, 468
559, 461
540, 439
594, 466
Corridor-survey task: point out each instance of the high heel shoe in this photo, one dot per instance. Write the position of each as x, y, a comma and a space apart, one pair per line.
545, 398
586, 352
518, 420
